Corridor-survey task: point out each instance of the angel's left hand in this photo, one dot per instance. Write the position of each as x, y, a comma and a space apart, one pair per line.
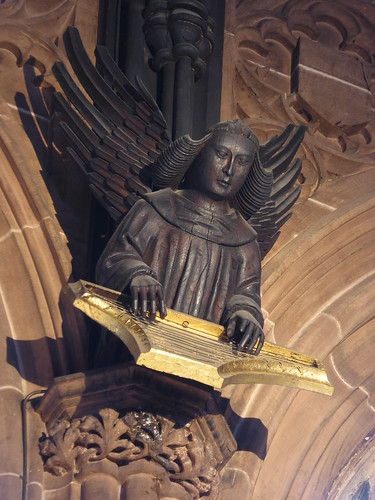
242, 324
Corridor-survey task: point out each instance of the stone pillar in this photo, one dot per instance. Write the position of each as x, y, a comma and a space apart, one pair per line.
179, 33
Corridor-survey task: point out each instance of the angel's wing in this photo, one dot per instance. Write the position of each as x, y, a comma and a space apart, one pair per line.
116, 137
277, 156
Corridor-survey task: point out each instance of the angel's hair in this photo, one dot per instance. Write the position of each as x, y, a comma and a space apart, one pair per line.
236, 127
176, 159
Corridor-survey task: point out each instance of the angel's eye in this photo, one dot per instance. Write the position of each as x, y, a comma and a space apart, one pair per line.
243, 160
221, 153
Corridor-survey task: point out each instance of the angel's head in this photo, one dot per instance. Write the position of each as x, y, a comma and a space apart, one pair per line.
224, 165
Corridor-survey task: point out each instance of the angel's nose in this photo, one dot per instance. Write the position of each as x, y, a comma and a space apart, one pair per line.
228, 168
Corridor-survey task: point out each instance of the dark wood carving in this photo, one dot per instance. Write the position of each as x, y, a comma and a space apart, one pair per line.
190, 249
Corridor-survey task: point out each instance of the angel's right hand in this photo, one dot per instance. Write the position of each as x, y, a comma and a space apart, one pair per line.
147, 295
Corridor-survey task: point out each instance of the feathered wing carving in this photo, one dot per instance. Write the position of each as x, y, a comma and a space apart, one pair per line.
276, 157
117, 137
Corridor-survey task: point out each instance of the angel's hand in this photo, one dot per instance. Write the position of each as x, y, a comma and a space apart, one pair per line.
147, 295
243, 325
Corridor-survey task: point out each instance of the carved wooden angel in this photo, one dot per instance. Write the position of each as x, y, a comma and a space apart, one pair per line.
196, 216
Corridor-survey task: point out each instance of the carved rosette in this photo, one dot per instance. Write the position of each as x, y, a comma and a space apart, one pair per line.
309, 62
186, 459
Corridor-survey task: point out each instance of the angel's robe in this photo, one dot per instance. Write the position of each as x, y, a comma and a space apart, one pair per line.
209, 265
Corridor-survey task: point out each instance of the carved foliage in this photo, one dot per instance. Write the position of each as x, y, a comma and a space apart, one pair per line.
188, 460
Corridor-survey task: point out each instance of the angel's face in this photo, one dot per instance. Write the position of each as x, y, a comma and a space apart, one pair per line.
222, 166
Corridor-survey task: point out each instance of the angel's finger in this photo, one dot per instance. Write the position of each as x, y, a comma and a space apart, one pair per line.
152, 295
253, 338
243, 324
143, 296
231, 328
246, 337
134, 299
161, 301
260, 344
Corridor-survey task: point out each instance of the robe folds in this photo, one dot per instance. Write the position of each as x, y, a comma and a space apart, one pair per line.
208, 265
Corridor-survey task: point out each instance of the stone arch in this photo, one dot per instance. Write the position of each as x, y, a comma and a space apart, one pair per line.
318, 290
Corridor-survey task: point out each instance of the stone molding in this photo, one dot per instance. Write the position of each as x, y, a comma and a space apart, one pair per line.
35, 259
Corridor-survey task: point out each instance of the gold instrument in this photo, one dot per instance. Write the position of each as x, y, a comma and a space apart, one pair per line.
196, 349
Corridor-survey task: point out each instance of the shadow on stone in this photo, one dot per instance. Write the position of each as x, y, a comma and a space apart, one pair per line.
37, 361
67, 185
250, 433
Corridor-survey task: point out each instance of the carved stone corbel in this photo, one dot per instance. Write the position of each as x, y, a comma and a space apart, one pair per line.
142, 431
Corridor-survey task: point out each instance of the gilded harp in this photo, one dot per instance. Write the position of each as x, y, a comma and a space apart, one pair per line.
196, 349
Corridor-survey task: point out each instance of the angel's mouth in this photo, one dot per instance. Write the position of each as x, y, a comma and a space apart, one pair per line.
223, 182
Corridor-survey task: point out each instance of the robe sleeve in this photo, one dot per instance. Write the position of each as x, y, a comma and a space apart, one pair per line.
122, 259
247, 292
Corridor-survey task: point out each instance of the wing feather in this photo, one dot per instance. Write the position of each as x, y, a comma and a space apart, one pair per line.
280, 161
282, 184
99, 124
76, 144
277, 156
269, 148
114, 138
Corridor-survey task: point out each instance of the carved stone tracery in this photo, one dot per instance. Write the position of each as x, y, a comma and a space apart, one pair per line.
308, 62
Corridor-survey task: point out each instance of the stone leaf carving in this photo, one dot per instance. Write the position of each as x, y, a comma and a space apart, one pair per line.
187, 459
61, 451
108, 436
